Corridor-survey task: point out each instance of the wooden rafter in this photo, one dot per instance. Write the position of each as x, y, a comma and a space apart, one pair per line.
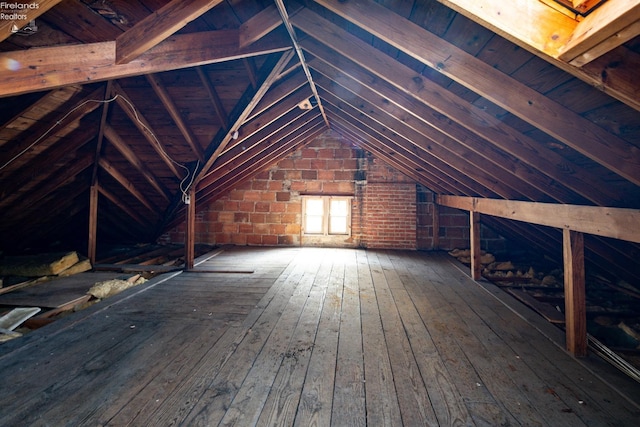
126, 103
50, 67
135, 161
236, 156
214, 98
122, 205
103, 122
172, 109
563, 124
550, 34
158, 26
385, 77
243, 109
260, 25
278, 93
617, 223
109, 168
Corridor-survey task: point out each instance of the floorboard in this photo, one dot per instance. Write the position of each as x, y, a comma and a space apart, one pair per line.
309, 336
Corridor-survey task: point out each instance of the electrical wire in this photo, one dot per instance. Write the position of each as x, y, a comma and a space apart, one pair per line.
183, 190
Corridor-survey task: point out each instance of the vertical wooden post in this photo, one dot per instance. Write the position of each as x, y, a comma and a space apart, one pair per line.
574, 292
93, 223
190, 233
435, 242
474, 237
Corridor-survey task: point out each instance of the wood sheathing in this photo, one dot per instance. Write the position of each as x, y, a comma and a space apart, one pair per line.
119, 110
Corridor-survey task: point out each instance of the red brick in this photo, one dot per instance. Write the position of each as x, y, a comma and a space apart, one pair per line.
344, 175
278, 174
292, 229
236, 195
230, 205
294, 174
264, 174
245, 228
239, 239
268, 196
326, 153
326, 175
343, 153
278, 207
259, 184
283, 196
350, 164
254, 196
257, 218
277, 228
308, 153
275, 186
284, 164
273, 218
269, 240
309, 174
289, 218
298, 186
254, 239
261, 228
294, 207
229, 227
302, 164
225, 217
285, 240
241, 217
262, 206
318, 164
223, 238
246, 206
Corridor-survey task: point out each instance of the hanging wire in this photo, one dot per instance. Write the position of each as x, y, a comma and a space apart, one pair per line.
188, 177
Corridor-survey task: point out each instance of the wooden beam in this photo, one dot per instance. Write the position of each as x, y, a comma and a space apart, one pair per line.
534, 108
136, 117
574, 292
37, 69
602, 25
474, 237
100, 138
303, 62
534, 23
426, 139
243, 109
127, 184
618, 223
435, 225
158, 26
543, 22
190, 232
214, 98
23, 16
259, 25
122, 205
172, 109
93, 223
437, 107
135, 161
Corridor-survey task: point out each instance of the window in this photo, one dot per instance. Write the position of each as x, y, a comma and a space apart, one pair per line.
327, 215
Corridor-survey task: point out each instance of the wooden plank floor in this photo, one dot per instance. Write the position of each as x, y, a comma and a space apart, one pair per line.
312, 337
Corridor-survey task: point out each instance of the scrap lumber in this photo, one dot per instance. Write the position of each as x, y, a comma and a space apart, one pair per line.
48, 264
16, 317
545, 310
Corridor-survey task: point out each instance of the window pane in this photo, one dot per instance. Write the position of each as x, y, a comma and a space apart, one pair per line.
313, 225
338, 225
315, 207
338, 208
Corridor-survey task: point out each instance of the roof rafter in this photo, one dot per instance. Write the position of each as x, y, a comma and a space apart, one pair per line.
551, 34
381, 74
49, 67
158, 26
563, 124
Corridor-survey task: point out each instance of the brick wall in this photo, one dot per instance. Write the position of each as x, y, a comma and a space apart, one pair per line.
388, 209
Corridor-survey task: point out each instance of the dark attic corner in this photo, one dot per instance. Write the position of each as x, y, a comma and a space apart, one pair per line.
416, 212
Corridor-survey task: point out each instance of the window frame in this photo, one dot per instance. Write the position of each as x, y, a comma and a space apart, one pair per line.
326, 215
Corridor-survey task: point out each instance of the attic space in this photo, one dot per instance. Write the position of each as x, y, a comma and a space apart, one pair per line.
143, 138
